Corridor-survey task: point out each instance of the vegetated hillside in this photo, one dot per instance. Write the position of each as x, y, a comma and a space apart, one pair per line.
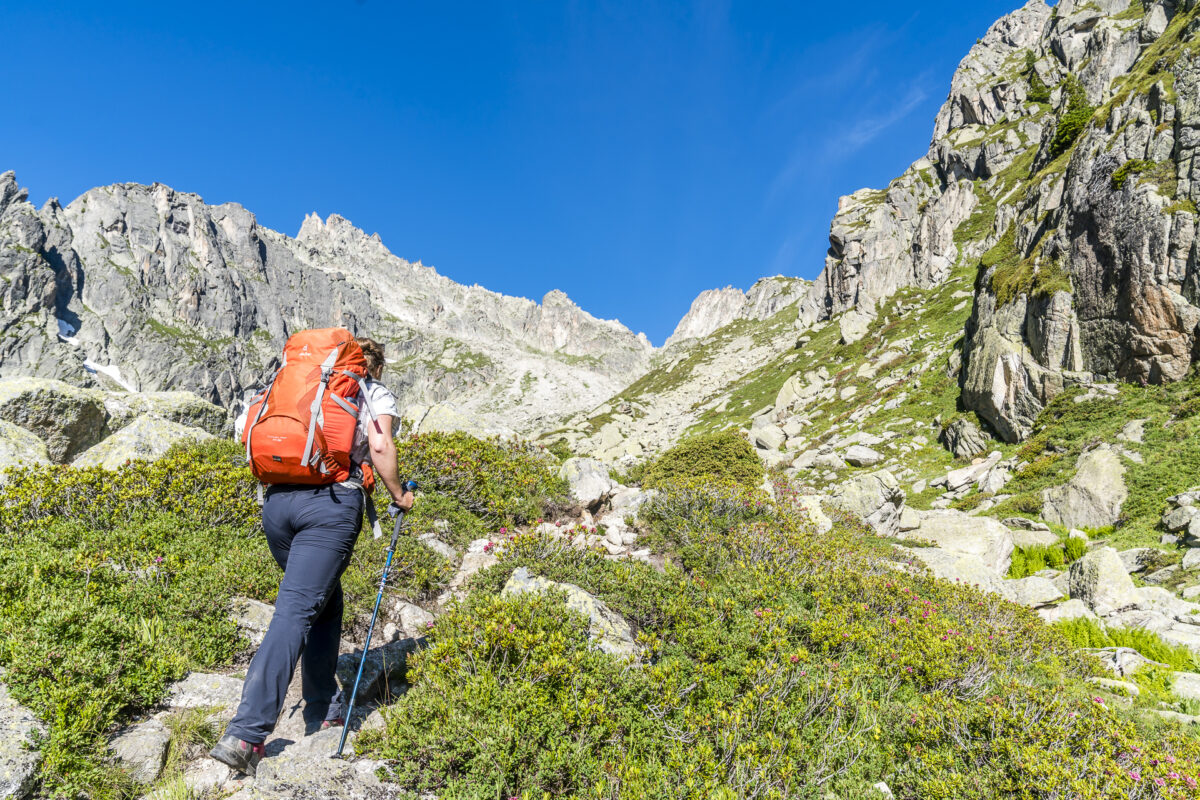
774, 653
148, 288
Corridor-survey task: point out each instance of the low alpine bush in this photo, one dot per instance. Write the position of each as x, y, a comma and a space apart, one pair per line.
502, 482
722, 457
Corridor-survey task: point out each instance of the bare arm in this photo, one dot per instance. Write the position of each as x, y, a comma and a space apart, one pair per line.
384, 458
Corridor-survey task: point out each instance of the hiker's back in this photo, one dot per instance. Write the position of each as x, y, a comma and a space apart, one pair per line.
300, 429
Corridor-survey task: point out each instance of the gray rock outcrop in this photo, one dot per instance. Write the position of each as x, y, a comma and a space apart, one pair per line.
981, 537
876, 498
1093, 497
141, 750
146, 438
66, 418
963, 438
1099, 579
19, 447
18, 761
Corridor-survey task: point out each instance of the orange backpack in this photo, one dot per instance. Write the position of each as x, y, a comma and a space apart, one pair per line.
300, 430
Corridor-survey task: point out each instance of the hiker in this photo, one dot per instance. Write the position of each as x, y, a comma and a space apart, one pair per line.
311, 529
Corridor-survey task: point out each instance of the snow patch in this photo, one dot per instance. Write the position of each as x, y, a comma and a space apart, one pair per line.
111, 371
66, 332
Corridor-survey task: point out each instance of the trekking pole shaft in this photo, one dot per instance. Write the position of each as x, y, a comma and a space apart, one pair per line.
370, 630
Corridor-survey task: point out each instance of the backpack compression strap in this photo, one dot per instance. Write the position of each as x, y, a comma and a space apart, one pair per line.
314, 410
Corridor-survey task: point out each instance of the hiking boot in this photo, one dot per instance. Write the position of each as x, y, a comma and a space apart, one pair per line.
336, 722
241, 756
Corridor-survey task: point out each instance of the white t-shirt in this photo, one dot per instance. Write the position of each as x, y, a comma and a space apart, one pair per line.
382, 401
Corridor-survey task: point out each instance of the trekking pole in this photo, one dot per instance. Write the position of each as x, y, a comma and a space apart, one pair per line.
410, 486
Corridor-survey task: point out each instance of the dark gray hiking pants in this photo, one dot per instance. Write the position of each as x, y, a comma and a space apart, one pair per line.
311, 532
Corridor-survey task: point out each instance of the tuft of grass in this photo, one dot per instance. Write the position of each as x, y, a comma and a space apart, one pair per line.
1086, 633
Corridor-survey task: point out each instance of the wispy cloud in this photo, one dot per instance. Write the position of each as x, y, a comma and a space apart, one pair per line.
865, 130
848, 138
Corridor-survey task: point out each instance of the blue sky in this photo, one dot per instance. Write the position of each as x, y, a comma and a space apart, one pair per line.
631, 153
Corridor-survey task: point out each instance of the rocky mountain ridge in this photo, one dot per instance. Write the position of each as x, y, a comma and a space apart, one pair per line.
146, 288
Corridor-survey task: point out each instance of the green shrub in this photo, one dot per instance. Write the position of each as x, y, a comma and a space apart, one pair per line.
1028, 561
1131, 167
443, 516
207, 483
720, 457
778, 662
1074, 549
94, 623
502, 482
684, 508
1072, 122
1085, 633
1039, 92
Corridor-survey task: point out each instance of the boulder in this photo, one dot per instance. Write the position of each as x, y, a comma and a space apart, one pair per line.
766, 434
1136, 559
1021, 523
1032, 591
982, 537
1179, 518
1134, 431
810, 505
860, 456
1072, 609
875, 497
1160, 576
957, 567
205, 690
435, 544
383, 673
608, 631
1191, 559
589, 481
1093, 498
19, 447
853, 326
252, 618
184, 408
1186, 685
141, 750
414, 620
1122, 661
963, 438
143, 439
1100, 580
304, 770
480, 555
19, 763
66, 418
1026, 539
829, 461
962, 478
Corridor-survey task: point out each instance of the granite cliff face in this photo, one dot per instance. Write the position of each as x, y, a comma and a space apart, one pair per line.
1062, 171
151, 289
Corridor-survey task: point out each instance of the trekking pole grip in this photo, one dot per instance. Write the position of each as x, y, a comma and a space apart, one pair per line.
409, 486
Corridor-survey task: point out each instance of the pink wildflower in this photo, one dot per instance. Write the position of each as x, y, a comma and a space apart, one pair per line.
1137, 776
